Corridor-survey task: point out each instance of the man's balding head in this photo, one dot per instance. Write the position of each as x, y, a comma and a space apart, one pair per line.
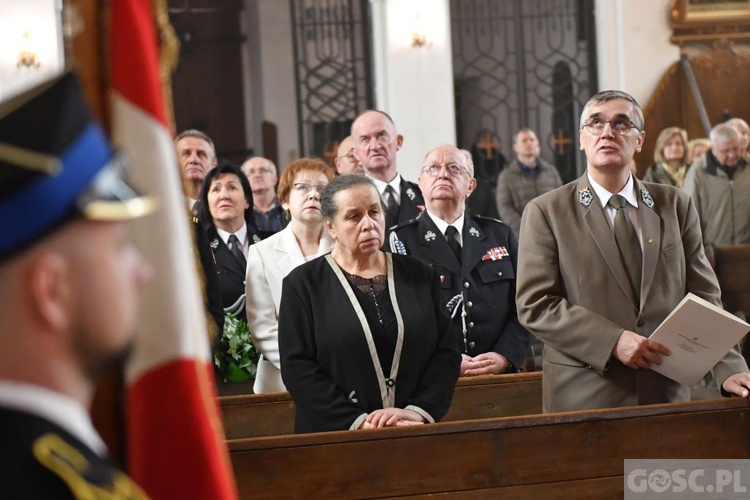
346, 163
376, 144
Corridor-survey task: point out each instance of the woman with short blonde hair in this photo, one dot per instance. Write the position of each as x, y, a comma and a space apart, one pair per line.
670, 157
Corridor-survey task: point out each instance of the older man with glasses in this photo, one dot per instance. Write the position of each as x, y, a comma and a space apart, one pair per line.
345, 161
602, 261
269, 215
476, 257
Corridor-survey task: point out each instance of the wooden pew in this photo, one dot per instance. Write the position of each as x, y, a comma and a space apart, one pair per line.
732, 266
563, 455
258, 415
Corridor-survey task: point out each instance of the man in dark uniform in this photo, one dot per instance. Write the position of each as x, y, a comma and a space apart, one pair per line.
476, 257
376, 144
69, 283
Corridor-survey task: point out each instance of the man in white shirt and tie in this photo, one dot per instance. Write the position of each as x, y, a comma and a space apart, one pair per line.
601, 262
376, 144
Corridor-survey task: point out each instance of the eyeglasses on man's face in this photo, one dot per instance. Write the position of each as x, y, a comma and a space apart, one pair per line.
453, 169
619, 126
305, 188
259, 170
349, 157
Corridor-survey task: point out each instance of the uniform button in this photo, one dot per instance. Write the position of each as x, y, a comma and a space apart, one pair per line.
499, 273
640, 322
471, 324
470, 304
472, 344
466, 284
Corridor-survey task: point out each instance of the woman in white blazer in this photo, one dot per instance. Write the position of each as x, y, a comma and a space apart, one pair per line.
269, 261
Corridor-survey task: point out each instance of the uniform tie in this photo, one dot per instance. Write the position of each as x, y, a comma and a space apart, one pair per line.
391, 217
236, 249
450, 234
627, 242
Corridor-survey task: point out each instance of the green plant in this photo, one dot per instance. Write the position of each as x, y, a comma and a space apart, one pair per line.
235, 355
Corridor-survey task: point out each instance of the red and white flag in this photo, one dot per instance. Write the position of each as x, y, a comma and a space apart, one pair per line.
175, 442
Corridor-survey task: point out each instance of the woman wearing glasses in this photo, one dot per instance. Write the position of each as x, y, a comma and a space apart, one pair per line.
364, 340
271, 260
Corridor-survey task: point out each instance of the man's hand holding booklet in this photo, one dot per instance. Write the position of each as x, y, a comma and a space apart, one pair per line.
699, 334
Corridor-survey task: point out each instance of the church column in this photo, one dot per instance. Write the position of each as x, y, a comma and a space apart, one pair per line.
413, 82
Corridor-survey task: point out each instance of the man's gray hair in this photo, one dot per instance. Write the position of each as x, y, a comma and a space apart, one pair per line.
469, 161
269, 163
610, 95
387, 116
191, 132
723, 133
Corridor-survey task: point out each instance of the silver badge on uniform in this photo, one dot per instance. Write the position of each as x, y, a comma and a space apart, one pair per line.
646, 197
429, 236
474, 232
410, 194
585, 197
215, 244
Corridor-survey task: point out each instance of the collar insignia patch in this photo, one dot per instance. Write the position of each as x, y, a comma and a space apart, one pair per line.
585, 197
647, 199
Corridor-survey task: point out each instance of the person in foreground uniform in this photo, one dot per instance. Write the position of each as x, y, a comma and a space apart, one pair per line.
476, 257
364, 340
602, 261
69, 282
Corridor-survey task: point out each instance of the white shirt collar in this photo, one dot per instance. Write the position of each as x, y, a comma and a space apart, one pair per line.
55, 407
631, 208
241, 234
442, 225
396, 183
627, 192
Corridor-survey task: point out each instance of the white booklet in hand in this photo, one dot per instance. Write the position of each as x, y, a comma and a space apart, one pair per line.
699, 334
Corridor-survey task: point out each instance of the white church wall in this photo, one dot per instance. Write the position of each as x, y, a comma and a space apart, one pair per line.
272, 95
414, 84
42, 20
633, 48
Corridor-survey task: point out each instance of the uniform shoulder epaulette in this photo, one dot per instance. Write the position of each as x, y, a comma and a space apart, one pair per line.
493, 219
403, 224
82, 478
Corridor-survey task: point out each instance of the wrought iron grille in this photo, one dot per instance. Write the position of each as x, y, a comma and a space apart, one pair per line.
524, 63
332, 66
